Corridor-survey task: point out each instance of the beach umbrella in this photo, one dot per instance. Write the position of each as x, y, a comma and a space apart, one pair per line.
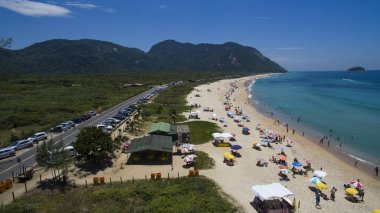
296, 164
214, 115
236, 147
282, 167
376, 211
321, 185
319, 173
282, 157
356, 184
315, 180
285, 171
351, 191
187, 159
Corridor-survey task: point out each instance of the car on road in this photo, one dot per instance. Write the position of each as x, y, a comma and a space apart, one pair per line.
59, 128
77, 120
7, 152
39, 136
21, 144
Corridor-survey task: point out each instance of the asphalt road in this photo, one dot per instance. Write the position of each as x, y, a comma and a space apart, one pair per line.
9, 165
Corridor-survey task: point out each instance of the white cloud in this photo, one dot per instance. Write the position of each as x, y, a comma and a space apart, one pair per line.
81, 5
289, 48
163, 6
33, 8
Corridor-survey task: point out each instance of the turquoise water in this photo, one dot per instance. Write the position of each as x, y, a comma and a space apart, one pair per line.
315, 102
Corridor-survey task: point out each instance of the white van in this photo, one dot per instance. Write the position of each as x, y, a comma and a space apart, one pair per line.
38, 136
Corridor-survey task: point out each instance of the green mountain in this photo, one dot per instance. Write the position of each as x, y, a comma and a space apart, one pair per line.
92, 56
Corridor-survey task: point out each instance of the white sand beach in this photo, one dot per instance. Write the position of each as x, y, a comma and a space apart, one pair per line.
238, 179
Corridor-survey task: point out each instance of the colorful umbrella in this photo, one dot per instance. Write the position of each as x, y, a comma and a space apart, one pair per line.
236, 147
296, 164
282, 157
351, 191
356, 184
285, 171
315, 180
321, 186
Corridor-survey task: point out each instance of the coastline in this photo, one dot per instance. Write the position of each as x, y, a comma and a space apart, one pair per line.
346, 158
238, 179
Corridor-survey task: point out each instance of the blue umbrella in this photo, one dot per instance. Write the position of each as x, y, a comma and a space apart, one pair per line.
315, 180
296, 164
236, 147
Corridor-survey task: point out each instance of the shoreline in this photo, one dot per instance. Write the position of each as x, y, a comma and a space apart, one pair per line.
347, 158
238, 179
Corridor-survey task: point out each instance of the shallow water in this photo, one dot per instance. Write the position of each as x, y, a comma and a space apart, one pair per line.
342, 104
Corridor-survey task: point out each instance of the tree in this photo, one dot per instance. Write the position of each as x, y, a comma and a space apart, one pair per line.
53, 156
5, 42
93, 144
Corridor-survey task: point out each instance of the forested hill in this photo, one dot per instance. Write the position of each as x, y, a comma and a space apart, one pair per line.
93, 56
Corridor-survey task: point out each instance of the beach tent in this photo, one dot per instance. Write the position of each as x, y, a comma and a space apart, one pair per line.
319, 173
271, 191
222, 135
315, 180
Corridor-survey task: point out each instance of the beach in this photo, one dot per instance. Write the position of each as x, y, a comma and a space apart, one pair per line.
237, 180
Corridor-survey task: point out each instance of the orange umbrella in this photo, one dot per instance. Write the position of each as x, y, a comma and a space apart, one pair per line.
282, 157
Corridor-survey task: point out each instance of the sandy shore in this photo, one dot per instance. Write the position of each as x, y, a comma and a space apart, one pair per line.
237, 180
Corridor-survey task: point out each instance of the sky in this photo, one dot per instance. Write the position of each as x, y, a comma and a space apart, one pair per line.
300, 35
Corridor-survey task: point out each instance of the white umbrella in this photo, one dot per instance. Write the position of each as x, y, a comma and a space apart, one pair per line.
319, 173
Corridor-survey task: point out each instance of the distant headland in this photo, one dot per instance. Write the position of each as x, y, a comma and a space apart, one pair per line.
356, 69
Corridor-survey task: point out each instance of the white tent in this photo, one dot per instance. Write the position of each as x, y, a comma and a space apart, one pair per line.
319, 173
222, 135
271, 191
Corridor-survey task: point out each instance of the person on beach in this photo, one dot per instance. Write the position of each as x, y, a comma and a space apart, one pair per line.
332, 194
377, 171
294, 131
356, 163
361, 194
317, 199
328, 143
340, 145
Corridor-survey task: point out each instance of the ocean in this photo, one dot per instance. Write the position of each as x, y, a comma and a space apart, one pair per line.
342, 105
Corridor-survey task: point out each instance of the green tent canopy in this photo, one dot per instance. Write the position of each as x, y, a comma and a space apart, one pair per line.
152, 142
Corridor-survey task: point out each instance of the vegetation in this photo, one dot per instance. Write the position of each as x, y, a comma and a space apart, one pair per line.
52, 156
169, 105
189, 194
91, 56
204, 162
201, 131
93, 145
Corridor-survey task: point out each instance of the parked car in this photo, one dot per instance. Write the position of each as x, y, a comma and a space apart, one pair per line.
70, 123
77, 120
21, 144
113, 120
56, 129
39, 136
65, 126
7, 152
92, 113
104, 127
71, 150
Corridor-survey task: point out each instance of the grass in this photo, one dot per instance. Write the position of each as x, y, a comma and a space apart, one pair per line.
189, 194
35, 103
204, 162
170, 101
201, 131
